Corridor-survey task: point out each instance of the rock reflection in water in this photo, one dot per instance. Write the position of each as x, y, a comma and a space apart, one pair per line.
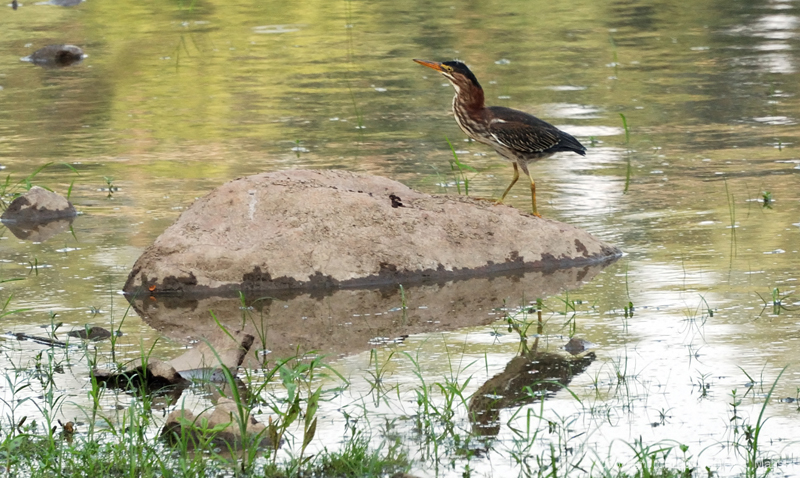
345, 321
530, 376
39, 231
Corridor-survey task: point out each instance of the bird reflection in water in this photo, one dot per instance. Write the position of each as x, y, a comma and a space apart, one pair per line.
532, 375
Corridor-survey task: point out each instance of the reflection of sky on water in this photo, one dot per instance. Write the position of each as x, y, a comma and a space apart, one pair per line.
768, 62
567, 110
770, 27
769, 23
583, 182
775, 120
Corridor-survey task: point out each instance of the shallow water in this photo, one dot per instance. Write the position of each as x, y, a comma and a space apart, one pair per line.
175, 99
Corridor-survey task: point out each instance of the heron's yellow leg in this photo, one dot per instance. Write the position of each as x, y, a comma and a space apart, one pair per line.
533, 198
524, 167
513, 181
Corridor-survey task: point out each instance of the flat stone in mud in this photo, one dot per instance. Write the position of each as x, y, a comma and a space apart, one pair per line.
222, 424
38, 205
328, 229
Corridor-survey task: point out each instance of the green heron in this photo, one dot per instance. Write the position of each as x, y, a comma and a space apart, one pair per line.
518, 137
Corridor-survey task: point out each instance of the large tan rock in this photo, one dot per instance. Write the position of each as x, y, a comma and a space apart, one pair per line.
320, 229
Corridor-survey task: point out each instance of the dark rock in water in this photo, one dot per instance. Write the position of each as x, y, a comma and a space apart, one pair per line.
301, 230
219, 350
38, 205
90, 333
56, 56
577, 345
14, 4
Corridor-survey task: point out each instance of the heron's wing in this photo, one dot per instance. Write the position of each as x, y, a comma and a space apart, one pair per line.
526, 133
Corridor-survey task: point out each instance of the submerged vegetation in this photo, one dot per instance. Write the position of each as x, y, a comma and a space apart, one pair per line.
457, 423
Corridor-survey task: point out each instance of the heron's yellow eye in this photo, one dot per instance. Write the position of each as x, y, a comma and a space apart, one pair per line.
447, 68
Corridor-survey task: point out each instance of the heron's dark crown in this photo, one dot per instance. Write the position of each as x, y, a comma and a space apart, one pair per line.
460, 68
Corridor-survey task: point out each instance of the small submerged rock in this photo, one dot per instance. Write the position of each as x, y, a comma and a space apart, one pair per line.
577, 345
56, 56
38, 205
90, 333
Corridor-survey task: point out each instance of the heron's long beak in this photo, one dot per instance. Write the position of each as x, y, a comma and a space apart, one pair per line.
430, 64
